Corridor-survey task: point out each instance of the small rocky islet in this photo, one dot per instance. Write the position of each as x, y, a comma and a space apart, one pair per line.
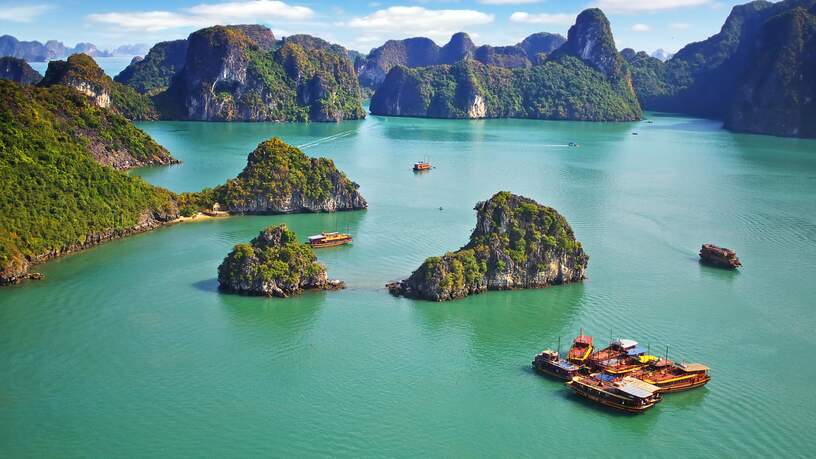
275, 263
517, 243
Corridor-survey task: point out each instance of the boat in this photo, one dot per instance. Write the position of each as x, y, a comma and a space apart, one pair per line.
626, 394
573, 144
633, 359
616, 349
551, 363
422, 166
581, 349
332, 239
671, 377
719, 257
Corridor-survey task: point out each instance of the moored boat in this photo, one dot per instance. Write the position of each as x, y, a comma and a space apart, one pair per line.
633, 359
671, 377
581, 349
329, 240
625, 394
616, 349
551, 363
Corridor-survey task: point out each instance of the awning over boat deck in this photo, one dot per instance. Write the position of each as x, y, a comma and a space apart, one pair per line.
625, 343
694, 367
637, 388
635, 351
583, 339
316, 237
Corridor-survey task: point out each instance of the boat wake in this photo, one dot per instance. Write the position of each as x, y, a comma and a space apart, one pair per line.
323, 140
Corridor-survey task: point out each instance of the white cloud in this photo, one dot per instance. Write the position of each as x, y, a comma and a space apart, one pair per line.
543, 18
641, 28
633, 6
418, 21
205, 15
508, 2
680, 25
23, 13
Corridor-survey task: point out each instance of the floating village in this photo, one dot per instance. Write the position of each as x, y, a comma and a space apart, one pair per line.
622, 376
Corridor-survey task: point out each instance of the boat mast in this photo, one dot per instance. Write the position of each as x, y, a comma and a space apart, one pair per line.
559, 347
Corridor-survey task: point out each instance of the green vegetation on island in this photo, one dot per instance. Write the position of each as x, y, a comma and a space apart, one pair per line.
517, 243
273, 264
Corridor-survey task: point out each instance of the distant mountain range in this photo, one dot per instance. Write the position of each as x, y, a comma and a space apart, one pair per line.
34, 51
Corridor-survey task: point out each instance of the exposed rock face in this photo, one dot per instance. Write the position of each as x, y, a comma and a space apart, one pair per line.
517, 243
273, 264
232, 74
719, 257
279, 178
423, 52
18, 70
152, 74
82, 73
584, 79
778, 95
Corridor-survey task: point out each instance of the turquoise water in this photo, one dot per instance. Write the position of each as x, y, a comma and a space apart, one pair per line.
128, 349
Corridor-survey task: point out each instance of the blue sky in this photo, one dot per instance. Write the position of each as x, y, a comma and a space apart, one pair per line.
361, 25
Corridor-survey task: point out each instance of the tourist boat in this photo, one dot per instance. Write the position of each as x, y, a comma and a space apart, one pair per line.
581, 349
329, 240
671, 377
616, 349
719, 257
549, 362
626, 394
422, 166
633, 359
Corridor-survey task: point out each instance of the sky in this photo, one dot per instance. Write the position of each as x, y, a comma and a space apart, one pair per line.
362, 25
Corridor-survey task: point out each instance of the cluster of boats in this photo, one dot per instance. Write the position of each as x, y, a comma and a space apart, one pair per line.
622, 375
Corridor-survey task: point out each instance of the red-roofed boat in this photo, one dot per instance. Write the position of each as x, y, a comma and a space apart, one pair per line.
581, 349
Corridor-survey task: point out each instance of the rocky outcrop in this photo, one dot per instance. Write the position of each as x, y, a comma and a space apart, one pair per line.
273, 264
18, 70
279, 178
81, 73
152, 74
719, 257
423, 52
777, 95
584, 79
517, 243
231, 73
754, 74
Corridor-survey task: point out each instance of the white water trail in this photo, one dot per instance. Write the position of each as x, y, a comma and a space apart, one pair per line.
322, 140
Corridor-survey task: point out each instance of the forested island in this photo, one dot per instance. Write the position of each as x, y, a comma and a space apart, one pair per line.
517, 243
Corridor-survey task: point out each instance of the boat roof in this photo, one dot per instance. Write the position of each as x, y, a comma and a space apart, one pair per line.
635, 351
694, 367
583, 339
625, 343
567, 365
316, 237
605, 377
637, 388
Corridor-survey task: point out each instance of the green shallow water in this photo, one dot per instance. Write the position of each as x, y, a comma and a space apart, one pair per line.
128, 349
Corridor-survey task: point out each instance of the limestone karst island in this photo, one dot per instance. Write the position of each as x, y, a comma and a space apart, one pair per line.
315, 228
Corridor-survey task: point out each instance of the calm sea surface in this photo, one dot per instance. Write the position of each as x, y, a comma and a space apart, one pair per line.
128, 349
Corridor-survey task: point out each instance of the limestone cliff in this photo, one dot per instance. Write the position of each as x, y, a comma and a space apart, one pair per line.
18, 70
152, 74
273, 264
517, 243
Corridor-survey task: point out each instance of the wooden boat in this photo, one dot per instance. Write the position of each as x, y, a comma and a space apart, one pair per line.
333, 239
581, 349
671, 377
634, 359
549, 362
719, 257
422, 166
616, 349
626, 394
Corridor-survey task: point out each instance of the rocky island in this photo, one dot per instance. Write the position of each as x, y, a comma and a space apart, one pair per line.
244, 73
18, 70
273, 264
280, 179
583, 79
517, 243
83, 74
755, 74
